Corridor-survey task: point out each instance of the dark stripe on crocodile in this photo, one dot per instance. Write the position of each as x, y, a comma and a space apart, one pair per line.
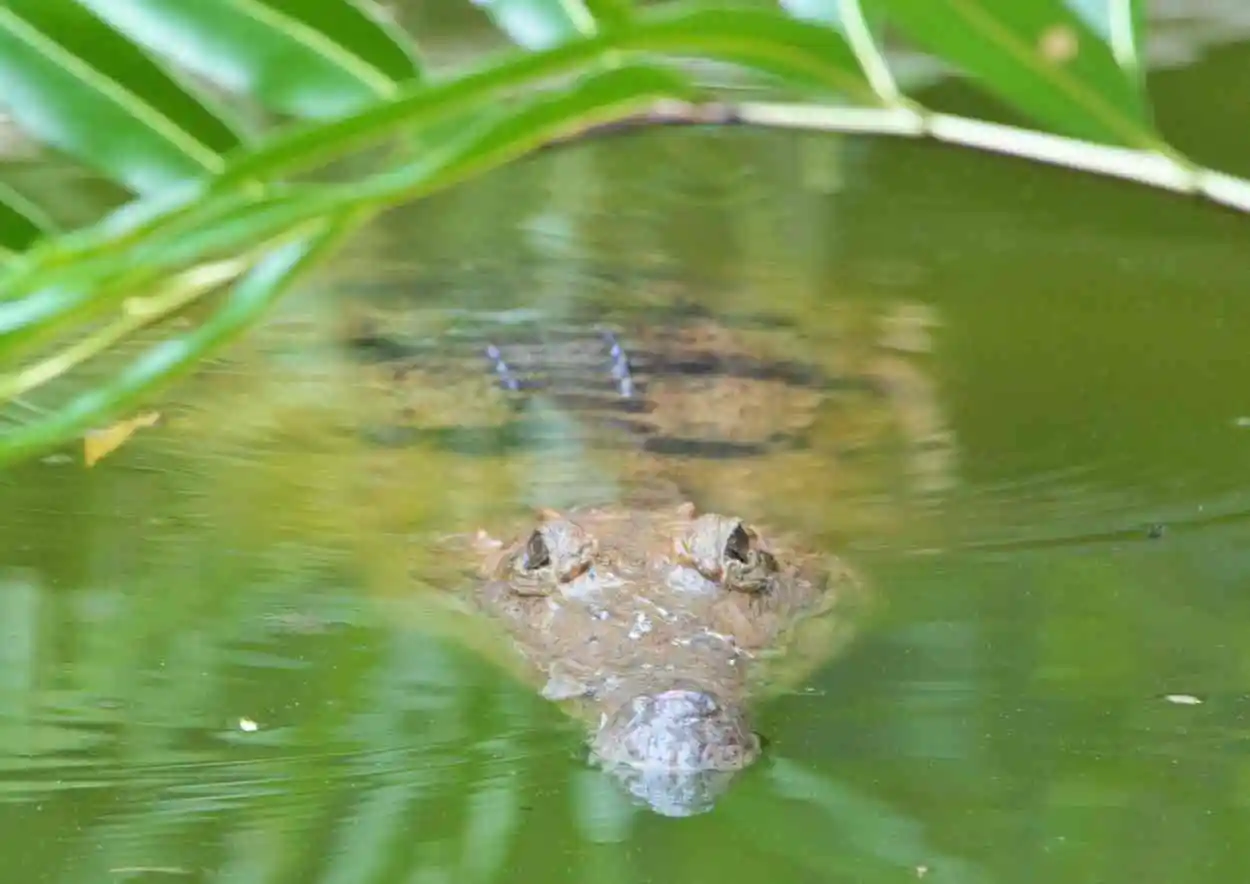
592, 375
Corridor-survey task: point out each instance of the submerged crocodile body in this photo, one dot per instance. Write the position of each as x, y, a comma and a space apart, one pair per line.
723, 408
680, 384
657, 625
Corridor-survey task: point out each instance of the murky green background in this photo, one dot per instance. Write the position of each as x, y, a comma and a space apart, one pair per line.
1003, 716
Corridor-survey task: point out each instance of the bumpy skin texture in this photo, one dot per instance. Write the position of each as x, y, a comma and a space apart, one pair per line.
686, 386
754, 417
654, 623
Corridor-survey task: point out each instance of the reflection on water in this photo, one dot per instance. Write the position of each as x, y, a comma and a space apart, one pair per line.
224, 655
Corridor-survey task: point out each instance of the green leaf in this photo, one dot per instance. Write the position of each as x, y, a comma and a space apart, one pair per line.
540, 24
247, 301
811, 55
57, 294
799, 53
21, 221
360, 27
317, 59
76, 85
1041, 57
611, 13
598, 98
1121, 24
808, 55
862, 29
845, 15
223, 226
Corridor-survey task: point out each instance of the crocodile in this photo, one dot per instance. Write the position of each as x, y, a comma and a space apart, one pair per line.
655, 623
721, 406
658, 625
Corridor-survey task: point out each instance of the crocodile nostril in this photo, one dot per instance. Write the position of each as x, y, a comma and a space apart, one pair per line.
738, 546
537, 555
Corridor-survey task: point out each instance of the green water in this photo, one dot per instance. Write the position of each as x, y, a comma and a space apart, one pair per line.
215, 665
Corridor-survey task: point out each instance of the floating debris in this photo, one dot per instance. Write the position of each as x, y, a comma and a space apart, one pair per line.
1183, 699
99, 443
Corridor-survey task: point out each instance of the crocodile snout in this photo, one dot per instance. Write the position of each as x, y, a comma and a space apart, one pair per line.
676, 749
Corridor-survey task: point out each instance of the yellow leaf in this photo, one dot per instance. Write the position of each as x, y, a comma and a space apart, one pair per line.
100, 443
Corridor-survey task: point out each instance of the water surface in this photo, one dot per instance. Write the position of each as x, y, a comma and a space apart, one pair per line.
220, 662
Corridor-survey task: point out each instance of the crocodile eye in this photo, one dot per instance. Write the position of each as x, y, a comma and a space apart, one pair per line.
738, 545
537, 555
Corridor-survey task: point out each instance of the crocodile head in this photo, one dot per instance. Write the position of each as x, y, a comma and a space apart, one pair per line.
655, 624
